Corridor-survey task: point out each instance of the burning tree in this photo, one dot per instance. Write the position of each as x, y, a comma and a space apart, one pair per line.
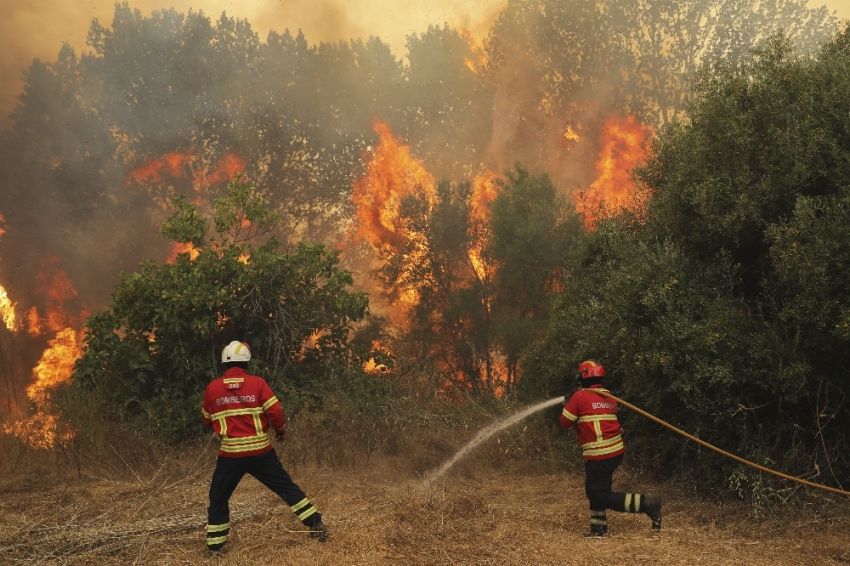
468, 267
153, 351
725, 305
430, 262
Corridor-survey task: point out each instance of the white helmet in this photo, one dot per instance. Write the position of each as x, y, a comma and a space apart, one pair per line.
236, 352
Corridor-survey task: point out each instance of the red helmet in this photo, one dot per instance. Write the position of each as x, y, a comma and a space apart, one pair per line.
590, 369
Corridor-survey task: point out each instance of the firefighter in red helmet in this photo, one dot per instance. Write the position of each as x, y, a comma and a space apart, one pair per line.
599, 434
241, 409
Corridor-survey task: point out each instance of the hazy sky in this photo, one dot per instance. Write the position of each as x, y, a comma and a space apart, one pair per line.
38, 28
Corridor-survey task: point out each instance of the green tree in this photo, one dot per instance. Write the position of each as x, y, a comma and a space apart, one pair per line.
723, 307
531, 231
157, 346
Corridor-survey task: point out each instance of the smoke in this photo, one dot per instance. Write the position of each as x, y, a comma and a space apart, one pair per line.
37, 29
174, 95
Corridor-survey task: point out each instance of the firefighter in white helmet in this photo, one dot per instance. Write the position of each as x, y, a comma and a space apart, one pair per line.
242, 409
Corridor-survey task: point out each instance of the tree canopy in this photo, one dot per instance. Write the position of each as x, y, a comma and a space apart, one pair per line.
191, 92
723, 307
159, 343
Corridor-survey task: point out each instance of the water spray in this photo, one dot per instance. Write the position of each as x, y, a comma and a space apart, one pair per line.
489, 431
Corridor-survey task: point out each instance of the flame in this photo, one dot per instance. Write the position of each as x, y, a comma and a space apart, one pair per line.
149, 172
479, 59
484, 192
177, 248
7, 307
55, 367
186, 165
622, 150
42, 429
391, 174
570, 134
55, 285
371, 366
34, 325
226, 168
7, 310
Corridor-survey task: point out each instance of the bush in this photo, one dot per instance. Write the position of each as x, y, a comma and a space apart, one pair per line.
157, 346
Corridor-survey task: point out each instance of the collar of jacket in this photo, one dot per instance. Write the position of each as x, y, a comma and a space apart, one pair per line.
235, 372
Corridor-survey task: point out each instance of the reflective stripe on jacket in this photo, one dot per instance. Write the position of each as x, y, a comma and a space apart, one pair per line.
241, 408
598, 429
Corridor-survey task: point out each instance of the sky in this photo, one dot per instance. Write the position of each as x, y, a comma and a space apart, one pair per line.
36, 29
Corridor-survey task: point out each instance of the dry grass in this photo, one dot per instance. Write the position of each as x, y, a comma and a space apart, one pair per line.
490, 510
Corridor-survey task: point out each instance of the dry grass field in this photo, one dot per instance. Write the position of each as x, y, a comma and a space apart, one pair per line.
380, 512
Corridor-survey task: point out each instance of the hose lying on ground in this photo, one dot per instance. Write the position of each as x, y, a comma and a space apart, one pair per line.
718, 450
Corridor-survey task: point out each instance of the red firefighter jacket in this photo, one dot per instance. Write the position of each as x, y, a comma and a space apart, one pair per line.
240, 407
598, 429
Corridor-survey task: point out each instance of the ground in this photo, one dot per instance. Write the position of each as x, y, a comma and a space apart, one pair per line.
381, 515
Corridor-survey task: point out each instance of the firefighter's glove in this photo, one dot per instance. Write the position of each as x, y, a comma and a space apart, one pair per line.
280, 435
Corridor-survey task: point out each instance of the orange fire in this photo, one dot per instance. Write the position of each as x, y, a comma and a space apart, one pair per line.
177, 248
479, 57
55, 285
484, 192
623, 148
370, 366
7, 310
7, 307
187, 165
34, 325
570, 134
41, 430
391, 174
225, 169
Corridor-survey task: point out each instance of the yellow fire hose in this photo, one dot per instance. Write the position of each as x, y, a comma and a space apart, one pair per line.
718, 450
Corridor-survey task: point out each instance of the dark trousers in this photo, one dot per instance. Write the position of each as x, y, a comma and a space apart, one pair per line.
597, 484
268, 471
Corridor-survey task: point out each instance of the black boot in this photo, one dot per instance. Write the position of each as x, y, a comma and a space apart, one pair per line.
598, 525
652, 507
319, 531
596, 532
